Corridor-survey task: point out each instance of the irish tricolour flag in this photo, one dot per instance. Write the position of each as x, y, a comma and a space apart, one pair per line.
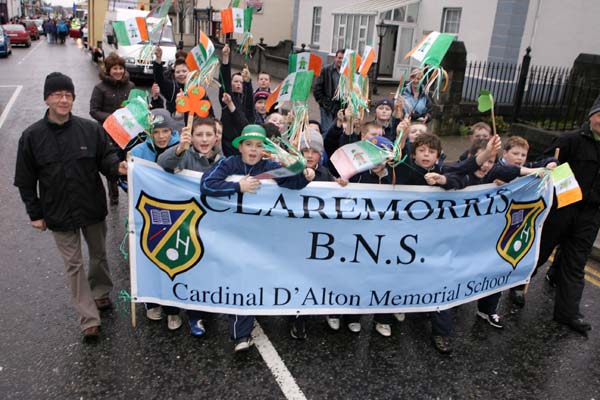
131, 31
295, 87
357, 157
236, 20
566, 186
198, 56
126, 123
305, 62
432, 49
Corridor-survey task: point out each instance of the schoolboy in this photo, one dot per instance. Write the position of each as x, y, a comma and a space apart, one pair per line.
260, 106
264, 82
249, 163
479, 130
162, 137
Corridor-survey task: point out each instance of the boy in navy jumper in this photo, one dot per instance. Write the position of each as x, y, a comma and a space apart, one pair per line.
249, 163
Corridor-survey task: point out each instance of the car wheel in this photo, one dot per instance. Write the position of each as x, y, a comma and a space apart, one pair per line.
28, 44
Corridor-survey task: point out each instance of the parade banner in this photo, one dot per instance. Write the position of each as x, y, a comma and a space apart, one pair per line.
328, 249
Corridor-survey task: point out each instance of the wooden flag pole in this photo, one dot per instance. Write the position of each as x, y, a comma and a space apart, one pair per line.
133, 322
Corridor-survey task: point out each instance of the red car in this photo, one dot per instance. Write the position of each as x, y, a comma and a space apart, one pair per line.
32, 29
17, 34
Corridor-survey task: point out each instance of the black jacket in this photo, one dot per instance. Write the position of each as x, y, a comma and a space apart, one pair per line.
582, 152
108, 96
64, 160
324, 90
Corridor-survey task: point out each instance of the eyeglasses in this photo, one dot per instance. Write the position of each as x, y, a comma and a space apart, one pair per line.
60, 95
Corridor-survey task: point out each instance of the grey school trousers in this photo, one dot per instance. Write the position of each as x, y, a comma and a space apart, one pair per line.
96, 284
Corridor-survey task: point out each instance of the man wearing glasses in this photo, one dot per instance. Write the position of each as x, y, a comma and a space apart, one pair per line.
62, 155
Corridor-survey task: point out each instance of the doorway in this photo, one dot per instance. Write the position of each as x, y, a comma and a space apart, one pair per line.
388, 51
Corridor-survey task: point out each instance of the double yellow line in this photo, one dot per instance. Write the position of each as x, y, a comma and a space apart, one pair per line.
592, 275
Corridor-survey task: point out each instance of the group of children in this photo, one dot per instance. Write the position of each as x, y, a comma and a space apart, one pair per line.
235, 146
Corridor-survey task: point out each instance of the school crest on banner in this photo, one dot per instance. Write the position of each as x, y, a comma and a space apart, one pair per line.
169, 236
519, 233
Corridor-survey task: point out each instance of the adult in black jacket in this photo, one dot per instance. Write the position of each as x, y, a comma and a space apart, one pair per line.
575, 226
107, 97
324, 90
63, 154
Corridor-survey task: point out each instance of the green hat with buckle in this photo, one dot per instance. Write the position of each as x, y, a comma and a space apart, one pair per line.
251, 132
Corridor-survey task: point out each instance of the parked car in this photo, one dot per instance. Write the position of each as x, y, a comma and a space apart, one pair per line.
5, 48
32, 29
18, 34
39, 24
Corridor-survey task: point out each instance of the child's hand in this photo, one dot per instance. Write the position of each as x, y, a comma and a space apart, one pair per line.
155, 90
403, 126
185, 139
341, 181
398, 107
433, 178
309, 174
226, 99
551, 165
158, 53
340, 118
226, 51
246, 74
249, 184
499, 182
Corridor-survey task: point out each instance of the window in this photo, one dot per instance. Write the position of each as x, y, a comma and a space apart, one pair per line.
451, 20
316, 26
352, 31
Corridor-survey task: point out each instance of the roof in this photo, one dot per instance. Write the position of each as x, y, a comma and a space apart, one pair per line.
372, 7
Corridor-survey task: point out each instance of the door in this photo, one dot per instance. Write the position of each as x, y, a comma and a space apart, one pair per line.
405, 44
388, 51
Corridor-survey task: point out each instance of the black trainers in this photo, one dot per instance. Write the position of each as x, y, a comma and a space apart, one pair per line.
492, 319
442, 344
298, 330
243, 344
517, 296
579, 325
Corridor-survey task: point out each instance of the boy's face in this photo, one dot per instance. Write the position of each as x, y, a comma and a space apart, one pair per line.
517, 155
371, 133
425, 156
277, 120
480, 133
312, 157
261, 106
236, 83
485, 167
251, 151
264, 81
181, 73
383, 112
204, 138
161, 137
416, 130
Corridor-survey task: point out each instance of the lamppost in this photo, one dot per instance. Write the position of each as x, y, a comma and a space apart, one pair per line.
381, 31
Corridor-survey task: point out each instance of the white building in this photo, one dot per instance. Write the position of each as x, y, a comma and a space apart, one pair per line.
494, 30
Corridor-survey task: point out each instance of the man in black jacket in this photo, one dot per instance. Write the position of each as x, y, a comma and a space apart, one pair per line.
63, 154
575, 226
325, 87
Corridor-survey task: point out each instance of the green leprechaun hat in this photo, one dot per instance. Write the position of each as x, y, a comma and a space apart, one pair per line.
251, 132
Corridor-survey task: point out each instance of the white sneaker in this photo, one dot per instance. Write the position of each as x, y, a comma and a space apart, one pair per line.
155, 314
174, 322
354, 327
333, 322
383, 329
400, 316
243, 344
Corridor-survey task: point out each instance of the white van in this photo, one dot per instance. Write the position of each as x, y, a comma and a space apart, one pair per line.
135, 66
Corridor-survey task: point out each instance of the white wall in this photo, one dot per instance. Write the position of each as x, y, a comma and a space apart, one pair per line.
563, 30
476, 23
305, 15
13, 8
275, 23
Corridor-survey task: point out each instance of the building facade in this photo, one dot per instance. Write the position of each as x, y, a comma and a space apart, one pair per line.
494, 30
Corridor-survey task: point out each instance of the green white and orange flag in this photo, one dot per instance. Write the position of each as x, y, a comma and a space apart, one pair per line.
566, 186
127, 122
295, 87
131, 31
432, 49
367, 60
357, 157
305, 62
236, 20
201, 53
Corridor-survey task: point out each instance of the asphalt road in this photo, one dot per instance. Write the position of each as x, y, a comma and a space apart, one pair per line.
42, 356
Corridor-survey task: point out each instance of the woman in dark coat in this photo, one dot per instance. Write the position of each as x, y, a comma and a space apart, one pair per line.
108, 96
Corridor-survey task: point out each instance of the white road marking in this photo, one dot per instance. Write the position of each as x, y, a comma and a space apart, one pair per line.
10, 103
31, 51
282, 375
